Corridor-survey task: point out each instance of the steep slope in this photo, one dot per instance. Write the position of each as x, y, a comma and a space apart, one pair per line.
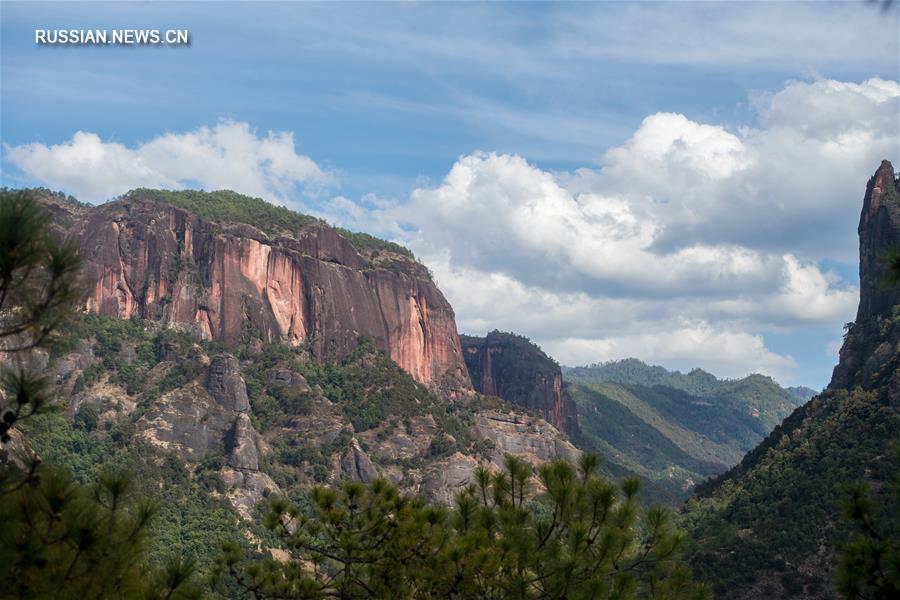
756, 395
269, 419
268, 357
231, 268
511, 367
771, 526
631, 436
673, 429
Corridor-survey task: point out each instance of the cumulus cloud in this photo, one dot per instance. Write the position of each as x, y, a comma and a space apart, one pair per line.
689, 242
687, 246
229, 155
726, 353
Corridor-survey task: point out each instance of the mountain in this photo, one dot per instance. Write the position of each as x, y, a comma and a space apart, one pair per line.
673, 429
801, 393
230, 268
756, 395
251, 350
772, 526
512, 367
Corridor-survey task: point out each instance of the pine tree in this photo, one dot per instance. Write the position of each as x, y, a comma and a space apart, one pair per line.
38, 291
59, 539
869, 565
570, 534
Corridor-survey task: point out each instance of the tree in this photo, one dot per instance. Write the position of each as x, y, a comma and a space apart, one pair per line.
59, 539
38, 292
64, 540
869, 565
891, 260
576, 536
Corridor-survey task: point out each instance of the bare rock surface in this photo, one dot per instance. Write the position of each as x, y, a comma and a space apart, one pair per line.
356, 464
226, 385
515, 369
224, 281
529, 438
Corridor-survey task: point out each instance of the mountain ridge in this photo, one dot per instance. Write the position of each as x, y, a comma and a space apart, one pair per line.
255, 413
770, 525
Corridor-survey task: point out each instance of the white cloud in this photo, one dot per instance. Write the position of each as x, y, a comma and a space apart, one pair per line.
825, 108
688, 244
669, 145
229, 155
726, 353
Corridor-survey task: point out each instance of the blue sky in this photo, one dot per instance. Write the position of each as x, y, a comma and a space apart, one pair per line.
539, 125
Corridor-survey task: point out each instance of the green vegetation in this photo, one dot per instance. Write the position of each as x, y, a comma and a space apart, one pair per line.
37, 192
58, 538
584, 537
757, 395
64, 540
781, 504
869, 564
127, 350
632, 371
517, 363
891, 261
631, 435
715, 419
370, 387
673, 429
187, 521
367, 244
225, 206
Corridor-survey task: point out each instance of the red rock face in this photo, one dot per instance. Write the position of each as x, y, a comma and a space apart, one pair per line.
233, 282
512, 368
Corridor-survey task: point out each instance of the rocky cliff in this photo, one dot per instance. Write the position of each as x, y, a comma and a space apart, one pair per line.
870, 354
232, 282
773, 526
511, 367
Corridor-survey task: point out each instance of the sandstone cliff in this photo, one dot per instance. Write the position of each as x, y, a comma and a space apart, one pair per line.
231, 282
511, 367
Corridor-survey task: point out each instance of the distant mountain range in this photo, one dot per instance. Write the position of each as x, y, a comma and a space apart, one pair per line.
672, 428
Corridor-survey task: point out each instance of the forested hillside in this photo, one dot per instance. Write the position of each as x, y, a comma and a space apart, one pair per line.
776, 524
674, 429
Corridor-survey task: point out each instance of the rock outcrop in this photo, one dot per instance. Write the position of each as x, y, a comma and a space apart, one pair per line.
447, 477
531, 439
356, 464
187, 420
226, 385
241, 445
513, 368
842, 435
230, 282
870, 354
197, 421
